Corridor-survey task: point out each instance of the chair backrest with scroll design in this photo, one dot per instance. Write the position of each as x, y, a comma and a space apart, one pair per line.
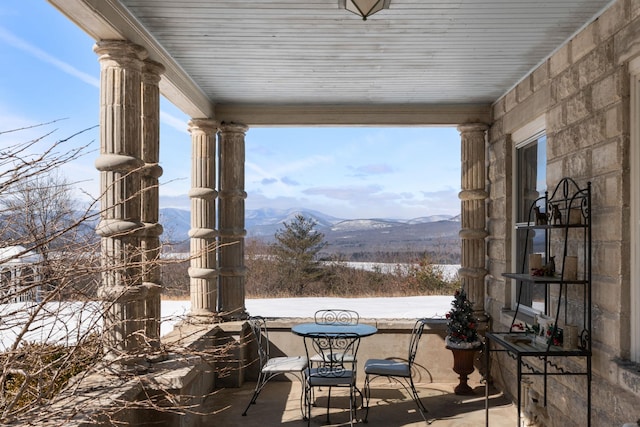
338, 354
335, 316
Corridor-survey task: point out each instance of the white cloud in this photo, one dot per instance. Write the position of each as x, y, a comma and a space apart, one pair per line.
173, 121
345, 192
289, 181
373, 169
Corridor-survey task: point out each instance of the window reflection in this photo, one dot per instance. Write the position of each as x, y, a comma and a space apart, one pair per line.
531, 184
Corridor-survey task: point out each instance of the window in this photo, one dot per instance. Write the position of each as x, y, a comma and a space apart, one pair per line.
530, 184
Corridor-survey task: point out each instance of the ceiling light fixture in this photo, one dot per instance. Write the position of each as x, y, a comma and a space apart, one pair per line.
364, 8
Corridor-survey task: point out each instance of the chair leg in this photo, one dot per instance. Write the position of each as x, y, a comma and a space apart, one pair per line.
308, 397
410, 389
259, 385
366, 397
417, 399
328, 405
353, 404
303, 403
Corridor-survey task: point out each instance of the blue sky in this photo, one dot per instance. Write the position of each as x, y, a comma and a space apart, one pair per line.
50, 72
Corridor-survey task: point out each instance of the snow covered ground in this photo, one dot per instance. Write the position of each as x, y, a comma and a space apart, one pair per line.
56, 323
448, 270
63, 322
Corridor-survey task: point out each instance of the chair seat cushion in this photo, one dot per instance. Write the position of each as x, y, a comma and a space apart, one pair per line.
285, 364
387, 367
320, 377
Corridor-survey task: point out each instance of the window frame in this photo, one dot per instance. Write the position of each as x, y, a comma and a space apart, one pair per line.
634, 220
524, 136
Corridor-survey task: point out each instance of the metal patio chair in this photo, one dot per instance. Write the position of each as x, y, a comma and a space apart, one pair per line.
271, 367
396, 369
335, 368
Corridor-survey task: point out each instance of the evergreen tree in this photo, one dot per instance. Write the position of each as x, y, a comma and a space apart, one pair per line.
296, 248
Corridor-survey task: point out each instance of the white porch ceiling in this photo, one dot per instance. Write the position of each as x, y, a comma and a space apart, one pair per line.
309, 62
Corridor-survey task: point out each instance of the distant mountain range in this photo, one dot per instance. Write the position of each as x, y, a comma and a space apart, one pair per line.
264, 223
346, 236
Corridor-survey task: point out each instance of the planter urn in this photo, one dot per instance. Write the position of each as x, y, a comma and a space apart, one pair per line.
463, 366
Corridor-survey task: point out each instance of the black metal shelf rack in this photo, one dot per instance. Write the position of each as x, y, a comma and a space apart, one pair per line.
569, 228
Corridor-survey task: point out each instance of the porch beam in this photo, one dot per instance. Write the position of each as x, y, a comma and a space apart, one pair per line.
354, 115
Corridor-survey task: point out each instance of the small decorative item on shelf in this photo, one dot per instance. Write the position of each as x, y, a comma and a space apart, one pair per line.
556, 215
548, 331
541, 217
554, 335
542, 331
535, 263
462, 339
575, 216
548, 270
529, 330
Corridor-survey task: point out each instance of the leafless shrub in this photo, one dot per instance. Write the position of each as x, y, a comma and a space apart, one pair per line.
52, 342
336, 278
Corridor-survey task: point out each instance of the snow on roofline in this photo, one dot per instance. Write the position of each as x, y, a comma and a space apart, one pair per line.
18, 255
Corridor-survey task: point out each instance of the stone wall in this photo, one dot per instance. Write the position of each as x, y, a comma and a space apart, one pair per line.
582, 91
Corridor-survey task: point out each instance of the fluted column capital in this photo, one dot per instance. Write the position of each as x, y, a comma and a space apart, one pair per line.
206, 126
472, 127
233, 127
120, 52
152, 71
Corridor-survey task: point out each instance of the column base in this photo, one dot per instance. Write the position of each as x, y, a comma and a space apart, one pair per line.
203, 318
240, 314
133, 365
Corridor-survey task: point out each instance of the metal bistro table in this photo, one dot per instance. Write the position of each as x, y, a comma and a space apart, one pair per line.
306, 329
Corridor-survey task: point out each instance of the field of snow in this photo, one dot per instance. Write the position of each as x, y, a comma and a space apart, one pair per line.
64, 322
56, 323
448, 270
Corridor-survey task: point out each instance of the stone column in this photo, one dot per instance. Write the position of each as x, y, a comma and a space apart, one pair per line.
120, 224
231, 221
473, 198
150, 203
202, 272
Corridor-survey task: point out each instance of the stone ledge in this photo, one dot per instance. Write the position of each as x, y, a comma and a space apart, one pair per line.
629, 375
106, 397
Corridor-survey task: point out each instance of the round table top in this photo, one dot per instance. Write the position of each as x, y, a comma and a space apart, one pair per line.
360, 329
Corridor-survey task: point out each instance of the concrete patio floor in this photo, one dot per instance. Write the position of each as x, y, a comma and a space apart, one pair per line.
279, 404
